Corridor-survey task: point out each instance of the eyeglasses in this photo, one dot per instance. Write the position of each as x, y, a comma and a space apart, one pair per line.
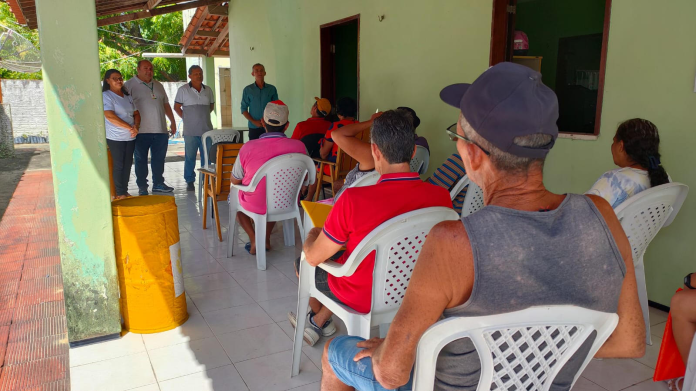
117, 78
453, 135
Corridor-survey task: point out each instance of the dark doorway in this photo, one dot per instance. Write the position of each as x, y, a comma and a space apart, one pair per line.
567, 44
340, 55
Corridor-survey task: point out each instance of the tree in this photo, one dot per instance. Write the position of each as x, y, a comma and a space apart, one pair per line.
121, 45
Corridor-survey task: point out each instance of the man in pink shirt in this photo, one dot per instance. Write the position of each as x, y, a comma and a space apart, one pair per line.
252, 156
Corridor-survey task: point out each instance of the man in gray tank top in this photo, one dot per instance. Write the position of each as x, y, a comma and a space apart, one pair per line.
526, 247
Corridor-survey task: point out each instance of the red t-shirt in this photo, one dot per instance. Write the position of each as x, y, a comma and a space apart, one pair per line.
360, 210
310, 126
334, 149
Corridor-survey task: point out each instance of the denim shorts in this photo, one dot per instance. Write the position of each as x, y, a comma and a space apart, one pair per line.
359, 374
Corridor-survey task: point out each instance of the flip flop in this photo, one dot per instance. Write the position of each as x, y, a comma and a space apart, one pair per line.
247, 247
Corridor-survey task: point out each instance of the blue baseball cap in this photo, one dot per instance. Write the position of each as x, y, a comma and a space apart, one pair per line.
508, 100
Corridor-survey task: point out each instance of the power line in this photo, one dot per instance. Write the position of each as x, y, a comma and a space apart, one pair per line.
123, 58
131, 36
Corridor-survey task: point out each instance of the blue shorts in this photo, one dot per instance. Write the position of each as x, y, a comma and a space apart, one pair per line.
359, 374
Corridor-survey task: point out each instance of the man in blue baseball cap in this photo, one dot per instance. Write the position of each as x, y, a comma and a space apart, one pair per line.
533, 247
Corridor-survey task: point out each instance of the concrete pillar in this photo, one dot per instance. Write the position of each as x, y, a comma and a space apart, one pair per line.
70, 61
209, 76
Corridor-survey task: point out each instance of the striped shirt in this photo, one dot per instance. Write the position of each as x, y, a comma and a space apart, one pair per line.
448, 175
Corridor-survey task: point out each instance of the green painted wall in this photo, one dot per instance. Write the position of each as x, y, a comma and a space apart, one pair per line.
650, 73
69, 55
405, 60
546, 21
422, 46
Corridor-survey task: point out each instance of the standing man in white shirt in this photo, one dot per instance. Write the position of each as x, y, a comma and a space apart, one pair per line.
194, 102
151, 101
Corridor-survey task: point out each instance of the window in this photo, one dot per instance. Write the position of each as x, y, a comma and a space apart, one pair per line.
566, 41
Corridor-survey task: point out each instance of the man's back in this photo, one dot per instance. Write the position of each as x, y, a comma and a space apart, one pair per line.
359, 211
562, 256
312, 125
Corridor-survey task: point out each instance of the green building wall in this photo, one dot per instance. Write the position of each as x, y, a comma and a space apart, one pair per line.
421, 47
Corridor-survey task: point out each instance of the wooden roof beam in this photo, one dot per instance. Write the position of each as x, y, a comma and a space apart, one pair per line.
197, 26
155, 12
219, 40
153, 3
217, 53
220, 10
211, 34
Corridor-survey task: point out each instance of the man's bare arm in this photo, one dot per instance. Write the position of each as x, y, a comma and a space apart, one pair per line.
177, 108
318, 248
251, 119
628, 339
443, 278
325, 149
359, 150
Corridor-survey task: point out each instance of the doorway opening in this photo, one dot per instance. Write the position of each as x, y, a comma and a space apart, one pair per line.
340, 59
567, 43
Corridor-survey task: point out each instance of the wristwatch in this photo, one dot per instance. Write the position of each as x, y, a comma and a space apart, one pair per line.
687, 281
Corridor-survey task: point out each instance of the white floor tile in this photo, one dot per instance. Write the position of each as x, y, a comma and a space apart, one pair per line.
649, 385
210, 282
658, 330
218, 379
255, 342
186, 358
272, 373
220, 299
118, 374
272, 288
651, 353
288, 270
129, 344
237, 318
252, 276
309, 387
201, 267
604, 373
194, 328
278, 309
585, 385
151, 387
239, 261
657, 316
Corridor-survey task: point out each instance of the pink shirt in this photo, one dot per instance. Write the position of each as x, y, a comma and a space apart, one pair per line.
252, 156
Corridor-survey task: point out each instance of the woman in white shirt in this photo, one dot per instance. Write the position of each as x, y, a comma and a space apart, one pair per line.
636, 151
122, 121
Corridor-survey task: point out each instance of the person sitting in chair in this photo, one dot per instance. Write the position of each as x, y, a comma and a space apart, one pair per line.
636, 151
252, 156
359, 211
527, 247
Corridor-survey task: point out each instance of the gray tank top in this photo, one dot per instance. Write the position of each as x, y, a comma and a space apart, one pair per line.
524, 259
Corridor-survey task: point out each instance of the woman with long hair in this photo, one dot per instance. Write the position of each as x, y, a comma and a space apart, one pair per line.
122, 121
636, 151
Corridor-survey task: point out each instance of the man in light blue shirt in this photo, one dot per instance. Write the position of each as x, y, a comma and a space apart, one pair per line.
255, 97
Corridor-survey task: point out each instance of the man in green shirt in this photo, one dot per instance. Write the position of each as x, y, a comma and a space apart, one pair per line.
255, 97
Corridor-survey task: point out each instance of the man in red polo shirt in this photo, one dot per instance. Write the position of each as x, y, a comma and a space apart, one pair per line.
317, 123
359, 211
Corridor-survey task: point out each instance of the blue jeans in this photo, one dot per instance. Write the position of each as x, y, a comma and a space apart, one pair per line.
156, 144
355, 374
192, 145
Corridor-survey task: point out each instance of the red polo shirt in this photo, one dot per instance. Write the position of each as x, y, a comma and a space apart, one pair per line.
334, 149
360, 210
310, 126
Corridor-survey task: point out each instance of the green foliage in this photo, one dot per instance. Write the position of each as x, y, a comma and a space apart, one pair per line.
118, 50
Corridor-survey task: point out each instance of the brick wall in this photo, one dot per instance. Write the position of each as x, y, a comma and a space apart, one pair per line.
27, 103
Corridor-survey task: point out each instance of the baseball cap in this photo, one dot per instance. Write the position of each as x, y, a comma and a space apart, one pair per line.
506, 101
323, 105
276, 113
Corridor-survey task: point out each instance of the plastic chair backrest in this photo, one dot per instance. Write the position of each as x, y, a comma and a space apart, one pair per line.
643, 215
216, 136
473, 201
521, 350
284, 175
225, 157
365, 180
420, 160
397, 243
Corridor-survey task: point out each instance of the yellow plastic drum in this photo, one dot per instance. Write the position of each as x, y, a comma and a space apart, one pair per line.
148, 257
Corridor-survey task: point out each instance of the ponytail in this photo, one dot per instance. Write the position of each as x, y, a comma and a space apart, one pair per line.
641, 142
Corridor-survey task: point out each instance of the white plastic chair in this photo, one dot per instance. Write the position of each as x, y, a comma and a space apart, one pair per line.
473, 201
690, 376
642, 216
421, 159
285, 176
539, 340
216, 136
398, 239
368, 179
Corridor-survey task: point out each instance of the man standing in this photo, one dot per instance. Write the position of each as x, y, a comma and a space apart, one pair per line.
194, 102
151, 101
255, 97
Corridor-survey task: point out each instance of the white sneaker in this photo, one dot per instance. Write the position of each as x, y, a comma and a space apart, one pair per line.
313, 333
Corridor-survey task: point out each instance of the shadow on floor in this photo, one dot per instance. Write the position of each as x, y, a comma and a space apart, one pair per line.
11, 170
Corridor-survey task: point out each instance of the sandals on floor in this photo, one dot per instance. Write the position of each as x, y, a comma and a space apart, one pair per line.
673, 384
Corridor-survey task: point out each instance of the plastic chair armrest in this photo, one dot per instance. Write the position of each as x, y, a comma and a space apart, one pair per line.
336, 269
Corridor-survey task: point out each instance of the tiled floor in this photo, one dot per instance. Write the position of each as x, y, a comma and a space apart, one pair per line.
238, 336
